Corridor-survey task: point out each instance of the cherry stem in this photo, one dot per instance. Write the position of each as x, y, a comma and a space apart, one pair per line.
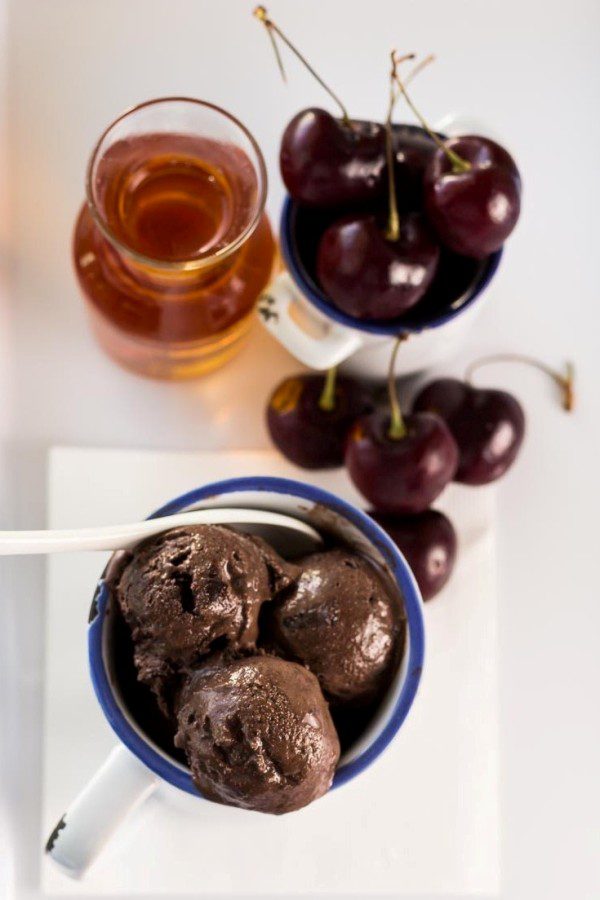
416, 70
262, 15
392, 232
565, 382
327, 398
397, 429
458, 163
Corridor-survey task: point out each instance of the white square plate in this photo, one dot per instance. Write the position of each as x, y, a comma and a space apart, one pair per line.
422, 819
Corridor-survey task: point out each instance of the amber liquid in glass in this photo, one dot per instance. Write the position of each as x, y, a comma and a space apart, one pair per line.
169, 201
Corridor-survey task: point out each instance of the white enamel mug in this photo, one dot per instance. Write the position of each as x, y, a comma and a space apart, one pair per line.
299, 315
140, 760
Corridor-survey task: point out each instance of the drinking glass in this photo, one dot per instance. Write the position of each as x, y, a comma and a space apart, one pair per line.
172, 247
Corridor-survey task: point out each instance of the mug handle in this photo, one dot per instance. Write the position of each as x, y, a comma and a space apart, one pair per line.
275, 308
117, 787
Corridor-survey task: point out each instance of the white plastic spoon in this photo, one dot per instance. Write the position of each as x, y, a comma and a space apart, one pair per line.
285, 533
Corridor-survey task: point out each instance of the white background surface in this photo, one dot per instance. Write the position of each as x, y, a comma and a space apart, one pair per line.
418, 820
532, 68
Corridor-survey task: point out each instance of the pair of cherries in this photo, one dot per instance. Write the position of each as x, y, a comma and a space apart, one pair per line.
401, 465
463, 192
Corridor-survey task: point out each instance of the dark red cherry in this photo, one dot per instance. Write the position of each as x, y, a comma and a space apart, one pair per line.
401, 475
308, 434
488, 426
369, 276
325, 161
474, 207
428, 541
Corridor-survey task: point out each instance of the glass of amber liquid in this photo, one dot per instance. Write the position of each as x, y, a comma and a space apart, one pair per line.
173, 247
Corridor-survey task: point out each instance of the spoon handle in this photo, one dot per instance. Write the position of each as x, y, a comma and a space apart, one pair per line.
121, 537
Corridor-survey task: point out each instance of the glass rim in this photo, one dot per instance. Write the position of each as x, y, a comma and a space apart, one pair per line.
193, 262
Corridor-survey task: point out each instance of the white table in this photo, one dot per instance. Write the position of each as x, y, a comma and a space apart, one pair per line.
531, 68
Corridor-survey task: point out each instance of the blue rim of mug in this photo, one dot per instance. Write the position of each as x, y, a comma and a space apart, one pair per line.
395, 327
178, 775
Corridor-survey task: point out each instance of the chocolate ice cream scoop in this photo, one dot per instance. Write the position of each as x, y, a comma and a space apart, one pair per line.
257, 733
190, 590
341, 620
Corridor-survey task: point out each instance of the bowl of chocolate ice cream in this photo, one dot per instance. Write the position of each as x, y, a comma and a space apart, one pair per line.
240, 674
